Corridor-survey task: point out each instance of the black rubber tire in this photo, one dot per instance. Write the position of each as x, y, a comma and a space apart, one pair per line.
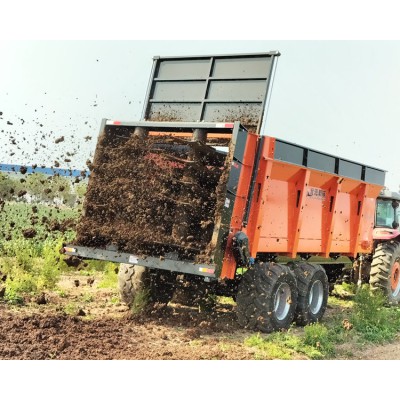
313, 292
385, 271
127, 285
133, 279
256, 298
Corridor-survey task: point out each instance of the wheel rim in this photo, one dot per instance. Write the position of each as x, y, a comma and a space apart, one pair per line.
316, 297
395, 278
282, 301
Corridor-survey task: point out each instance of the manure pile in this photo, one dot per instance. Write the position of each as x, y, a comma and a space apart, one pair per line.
152, 195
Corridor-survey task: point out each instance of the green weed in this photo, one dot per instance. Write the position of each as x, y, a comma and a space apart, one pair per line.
71, 309
18, 284
195, 343
115, 300
95, 266
268, 349
225, 300
87, 298
61, 293
346, 303
370, 317
29, 270
140, 301
110, 277
320, 339
284, 346
85, 272
345, 290
52, 264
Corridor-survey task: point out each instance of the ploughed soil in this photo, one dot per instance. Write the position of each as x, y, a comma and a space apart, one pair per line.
49, 335
85, 322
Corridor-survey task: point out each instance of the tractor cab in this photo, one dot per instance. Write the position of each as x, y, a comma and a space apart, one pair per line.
387, 210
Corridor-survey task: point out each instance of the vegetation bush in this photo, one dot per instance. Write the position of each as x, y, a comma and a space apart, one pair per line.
30, 271
285, 346
319, 338
372, 319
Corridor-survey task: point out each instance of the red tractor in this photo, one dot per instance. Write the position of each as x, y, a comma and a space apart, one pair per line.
383, 266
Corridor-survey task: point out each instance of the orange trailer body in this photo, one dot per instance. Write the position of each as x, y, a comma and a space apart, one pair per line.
299, 210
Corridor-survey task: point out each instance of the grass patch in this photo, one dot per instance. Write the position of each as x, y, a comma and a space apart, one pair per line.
372, 319
87, 298
320, 339
363, 319
286, 346
61, 293
336, 302
225, 300
115, 300
140, 301
195, 343
71, 309
345, 290
110, 277
268, 349
29, 272
95, 266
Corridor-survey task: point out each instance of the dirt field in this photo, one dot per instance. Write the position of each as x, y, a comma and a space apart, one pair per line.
86, 323
109, 331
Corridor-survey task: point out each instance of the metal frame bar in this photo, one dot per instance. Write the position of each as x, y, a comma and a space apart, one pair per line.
241, 55
205, 101
267, 98
179, 266
329, 214
299, 186
209, 78
219, 126
357, 219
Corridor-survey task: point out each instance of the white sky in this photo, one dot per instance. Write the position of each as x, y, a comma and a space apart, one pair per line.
340, 97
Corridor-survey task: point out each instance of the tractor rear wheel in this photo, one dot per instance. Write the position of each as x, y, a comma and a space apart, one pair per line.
385, 271
313, 287
133, 279
267, 298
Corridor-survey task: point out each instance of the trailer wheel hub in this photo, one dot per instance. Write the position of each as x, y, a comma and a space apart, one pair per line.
395, 278
316, 296
282, 301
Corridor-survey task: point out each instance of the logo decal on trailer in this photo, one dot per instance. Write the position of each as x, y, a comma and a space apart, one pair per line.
316, 193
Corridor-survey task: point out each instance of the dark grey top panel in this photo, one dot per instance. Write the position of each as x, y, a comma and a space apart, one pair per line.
309, 158
222, 88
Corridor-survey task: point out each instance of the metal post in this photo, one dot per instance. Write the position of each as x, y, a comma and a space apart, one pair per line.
140, 132
199, 135
360, 266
